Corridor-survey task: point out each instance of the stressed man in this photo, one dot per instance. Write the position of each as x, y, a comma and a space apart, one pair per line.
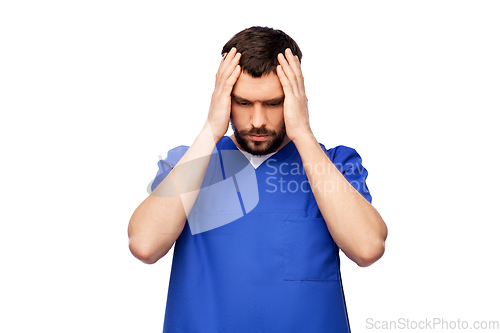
258, 218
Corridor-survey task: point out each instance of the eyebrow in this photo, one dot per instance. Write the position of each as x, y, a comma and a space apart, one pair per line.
269, 101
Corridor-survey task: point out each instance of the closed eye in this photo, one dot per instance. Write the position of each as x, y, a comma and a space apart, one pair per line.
273, 105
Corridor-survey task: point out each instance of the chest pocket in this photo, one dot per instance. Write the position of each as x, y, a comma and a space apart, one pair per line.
310, 254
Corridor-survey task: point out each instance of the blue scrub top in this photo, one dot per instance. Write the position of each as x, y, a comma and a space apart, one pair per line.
274, 269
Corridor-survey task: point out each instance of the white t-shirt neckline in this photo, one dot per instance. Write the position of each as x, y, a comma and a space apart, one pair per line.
256, 160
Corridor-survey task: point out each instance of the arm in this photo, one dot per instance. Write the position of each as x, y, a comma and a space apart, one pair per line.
159, 220
354, 224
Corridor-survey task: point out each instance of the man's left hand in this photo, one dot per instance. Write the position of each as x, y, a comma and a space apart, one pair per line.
296, 113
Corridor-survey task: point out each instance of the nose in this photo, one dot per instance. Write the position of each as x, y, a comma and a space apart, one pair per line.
259, 117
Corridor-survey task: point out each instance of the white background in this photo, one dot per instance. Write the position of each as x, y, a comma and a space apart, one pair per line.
92, 92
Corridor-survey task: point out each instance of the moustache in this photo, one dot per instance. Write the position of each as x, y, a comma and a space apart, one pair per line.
258, 131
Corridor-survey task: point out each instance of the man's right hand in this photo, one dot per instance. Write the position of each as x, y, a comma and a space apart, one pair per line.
220, 106
159, 220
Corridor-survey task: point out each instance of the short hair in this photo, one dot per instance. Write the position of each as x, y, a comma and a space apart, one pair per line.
259, 48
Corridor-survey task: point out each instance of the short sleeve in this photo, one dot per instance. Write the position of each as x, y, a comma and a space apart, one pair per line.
349, 163
166, 165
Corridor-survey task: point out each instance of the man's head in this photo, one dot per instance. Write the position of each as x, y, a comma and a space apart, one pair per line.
257, 97
259, 48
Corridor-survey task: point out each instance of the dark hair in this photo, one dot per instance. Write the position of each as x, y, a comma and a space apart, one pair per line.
259, 48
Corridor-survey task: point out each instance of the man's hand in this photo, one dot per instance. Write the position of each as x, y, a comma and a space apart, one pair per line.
354, 224
159, 220
295, 105
220, 106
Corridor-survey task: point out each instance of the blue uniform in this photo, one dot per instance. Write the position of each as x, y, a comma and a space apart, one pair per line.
274, 269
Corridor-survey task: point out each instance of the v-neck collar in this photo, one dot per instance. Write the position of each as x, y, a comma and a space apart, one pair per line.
280, 154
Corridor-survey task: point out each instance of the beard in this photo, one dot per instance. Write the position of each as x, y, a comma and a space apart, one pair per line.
259, 148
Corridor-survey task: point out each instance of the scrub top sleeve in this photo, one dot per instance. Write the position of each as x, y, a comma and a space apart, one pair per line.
349, 163
167, 164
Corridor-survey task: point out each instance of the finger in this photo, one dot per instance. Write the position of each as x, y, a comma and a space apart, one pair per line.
231, 65
294, 63
220, 65
285, 82
285, 66
223, 58
221, 79
231, 80
226, 69
226, 61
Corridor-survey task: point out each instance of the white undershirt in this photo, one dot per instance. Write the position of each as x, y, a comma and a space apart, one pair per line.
256, 160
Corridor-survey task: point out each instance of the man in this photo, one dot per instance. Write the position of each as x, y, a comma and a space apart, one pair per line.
271, 264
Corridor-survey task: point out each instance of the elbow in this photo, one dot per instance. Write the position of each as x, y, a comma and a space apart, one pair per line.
372, 251
143, 252
370, 254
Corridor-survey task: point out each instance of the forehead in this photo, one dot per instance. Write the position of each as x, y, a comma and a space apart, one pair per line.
264, 88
